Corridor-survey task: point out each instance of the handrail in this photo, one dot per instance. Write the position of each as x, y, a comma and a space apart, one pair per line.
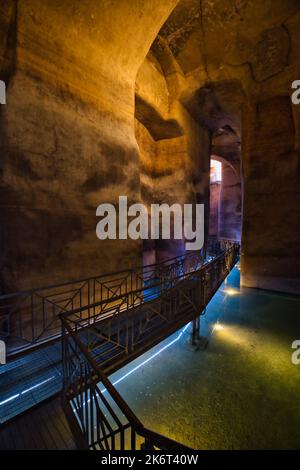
89, 278
152, 438
142, 289
161, 441
104, 379
29, 319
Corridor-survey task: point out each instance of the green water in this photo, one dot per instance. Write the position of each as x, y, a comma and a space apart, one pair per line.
242, 392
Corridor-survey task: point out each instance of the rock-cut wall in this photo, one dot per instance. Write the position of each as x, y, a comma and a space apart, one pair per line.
67, 138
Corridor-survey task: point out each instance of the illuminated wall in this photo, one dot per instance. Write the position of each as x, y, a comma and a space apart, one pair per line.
78, 74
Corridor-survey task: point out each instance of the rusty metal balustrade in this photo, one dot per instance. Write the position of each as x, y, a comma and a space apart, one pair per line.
29, 319
118, 329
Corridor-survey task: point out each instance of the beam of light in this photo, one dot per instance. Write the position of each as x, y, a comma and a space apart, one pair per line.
9, 399
230, 291
18, 395
37, 385
134, 369
218, 327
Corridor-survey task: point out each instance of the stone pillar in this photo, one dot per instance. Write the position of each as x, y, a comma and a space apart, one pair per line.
271, 220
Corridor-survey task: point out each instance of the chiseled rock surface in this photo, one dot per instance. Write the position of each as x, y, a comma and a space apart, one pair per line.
69, 140
67, 134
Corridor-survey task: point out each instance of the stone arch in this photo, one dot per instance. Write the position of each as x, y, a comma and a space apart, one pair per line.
226, 202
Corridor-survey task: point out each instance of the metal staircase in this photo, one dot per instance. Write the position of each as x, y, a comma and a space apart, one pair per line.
105, 322
100, 338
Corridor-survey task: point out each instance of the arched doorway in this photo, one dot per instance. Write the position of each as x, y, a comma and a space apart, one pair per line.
225, 219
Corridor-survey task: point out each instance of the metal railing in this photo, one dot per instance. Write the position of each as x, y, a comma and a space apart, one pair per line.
99, 417
31, 318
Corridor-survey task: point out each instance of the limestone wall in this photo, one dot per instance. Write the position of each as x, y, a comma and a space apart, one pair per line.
77, 75
242, 57
67, 138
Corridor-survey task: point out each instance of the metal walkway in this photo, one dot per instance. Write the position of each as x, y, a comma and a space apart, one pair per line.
30, 325
120, 329
29, 380
42, 428
114, 318
30, 319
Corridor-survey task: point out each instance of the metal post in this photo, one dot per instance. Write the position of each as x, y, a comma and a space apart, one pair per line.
196, 331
